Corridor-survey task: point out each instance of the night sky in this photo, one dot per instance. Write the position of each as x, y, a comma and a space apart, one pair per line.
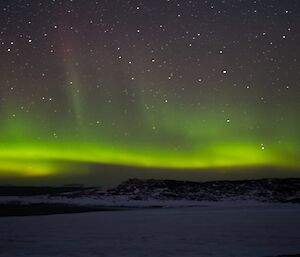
99, 91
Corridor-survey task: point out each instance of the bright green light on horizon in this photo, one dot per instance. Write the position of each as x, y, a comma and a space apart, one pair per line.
170, 138
45, 160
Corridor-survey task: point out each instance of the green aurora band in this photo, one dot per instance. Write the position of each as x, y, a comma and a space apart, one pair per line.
169, 136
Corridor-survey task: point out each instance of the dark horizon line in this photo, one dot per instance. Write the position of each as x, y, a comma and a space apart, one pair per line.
78, 185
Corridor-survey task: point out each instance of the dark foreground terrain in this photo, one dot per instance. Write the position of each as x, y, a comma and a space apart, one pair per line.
19, 201
250, 218
218, 230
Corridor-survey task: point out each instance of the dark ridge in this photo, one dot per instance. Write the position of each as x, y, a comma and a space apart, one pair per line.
275, 190
7, 210
268, 190
38, 190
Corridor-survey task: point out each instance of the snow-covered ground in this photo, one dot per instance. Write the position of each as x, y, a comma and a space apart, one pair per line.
215, 230
124, 201
107, 201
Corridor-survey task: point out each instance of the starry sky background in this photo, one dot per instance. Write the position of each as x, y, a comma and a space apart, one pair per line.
99, 91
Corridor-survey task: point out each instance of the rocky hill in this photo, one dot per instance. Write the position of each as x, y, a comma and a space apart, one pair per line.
137, 191
273, 190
